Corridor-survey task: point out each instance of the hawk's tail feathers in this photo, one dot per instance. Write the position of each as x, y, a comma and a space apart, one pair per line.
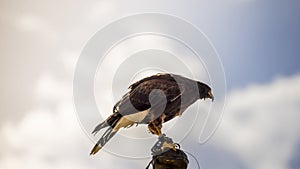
109, 133
99, 127
110, 121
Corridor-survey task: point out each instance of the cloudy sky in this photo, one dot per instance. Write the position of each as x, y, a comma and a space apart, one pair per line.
258, 44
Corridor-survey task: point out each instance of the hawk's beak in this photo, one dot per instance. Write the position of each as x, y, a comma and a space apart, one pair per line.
210, 95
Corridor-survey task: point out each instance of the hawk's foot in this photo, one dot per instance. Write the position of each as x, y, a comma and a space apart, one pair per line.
167, 146
163, 144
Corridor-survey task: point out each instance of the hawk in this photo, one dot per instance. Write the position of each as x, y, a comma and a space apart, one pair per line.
174, 94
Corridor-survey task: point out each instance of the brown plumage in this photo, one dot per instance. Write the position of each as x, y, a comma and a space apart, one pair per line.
153, 101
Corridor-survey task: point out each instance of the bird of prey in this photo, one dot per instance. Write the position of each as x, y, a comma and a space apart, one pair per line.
138, 106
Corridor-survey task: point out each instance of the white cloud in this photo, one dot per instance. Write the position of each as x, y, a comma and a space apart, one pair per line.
261, 123
34, 24
50, 136
31, 23
101, 10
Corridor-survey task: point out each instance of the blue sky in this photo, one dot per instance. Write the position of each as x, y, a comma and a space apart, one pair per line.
259, 40
258, 44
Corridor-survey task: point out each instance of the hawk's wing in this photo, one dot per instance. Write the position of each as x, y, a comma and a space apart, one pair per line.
138, 99
159, 76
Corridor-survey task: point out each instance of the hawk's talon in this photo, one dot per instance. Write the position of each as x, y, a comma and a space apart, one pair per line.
163, 144
167, 145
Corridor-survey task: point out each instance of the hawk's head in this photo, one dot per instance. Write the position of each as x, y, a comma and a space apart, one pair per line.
205, 91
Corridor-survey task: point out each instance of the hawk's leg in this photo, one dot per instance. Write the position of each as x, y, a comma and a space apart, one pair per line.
155, 125
155, 128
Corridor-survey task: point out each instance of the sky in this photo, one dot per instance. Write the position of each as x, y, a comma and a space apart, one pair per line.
258, 45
